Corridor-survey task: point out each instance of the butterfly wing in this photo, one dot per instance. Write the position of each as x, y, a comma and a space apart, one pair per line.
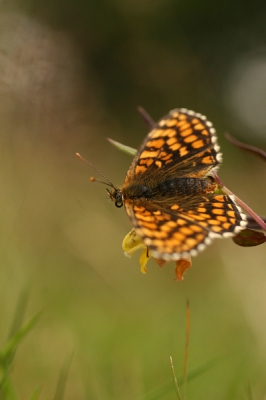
173, 232
183, 143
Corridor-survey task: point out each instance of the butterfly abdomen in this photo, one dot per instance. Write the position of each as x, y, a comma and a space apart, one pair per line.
183, 186
178, 186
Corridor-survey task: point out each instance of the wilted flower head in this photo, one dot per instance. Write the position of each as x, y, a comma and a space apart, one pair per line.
132, 242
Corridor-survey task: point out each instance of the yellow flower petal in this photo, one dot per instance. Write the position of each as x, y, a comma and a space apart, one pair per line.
144, 258
131, 243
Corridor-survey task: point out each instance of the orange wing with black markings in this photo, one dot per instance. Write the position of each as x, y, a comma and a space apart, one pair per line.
182, 143
169, 192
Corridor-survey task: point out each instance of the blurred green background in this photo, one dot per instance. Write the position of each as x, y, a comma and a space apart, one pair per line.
71, 75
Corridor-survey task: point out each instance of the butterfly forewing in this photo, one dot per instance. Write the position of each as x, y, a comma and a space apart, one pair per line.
182, 143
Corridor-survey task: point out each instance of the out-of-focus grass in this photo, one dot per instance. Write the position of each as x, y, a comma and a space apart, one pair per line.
17, 333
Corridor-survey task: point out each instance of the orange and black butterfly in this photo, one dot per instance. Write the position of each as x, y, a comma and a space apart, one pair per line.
169, 192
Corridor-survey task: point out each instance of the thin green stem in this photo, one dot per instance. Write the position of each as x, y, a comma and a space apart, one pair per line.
175, 380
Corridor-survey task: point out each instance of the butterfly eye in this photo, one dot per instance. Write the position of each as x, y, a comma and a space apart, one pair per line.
119, 202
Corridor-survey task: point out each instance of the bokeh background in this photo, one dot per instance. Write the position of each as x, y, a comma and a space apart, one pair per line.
71, 75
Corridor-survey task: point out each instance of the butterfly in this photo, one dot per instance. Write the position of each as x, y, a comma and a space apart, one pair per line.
169, 192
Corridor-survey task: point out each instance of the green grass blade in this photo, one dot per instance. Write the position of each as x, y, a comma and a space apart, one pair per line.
157, 393
200, 369
62, 380
18, 318
175, 380
249, 392
35, 394
16, 339
19, 313
7, 391
123, 147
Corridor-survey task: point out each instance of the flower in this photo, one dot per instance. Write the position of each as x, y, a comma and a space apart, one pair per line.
132, 242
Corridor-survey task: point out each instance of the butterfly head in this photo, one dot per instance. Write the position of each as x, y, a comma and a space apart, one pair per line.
116, 195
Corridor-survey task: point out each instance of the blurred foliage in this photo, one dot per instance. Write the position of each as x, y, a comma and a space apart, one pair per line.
159, 50
72, 74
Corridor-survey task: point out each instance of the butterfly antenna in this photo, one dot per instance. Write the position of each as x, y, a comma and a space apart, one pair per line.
95, 169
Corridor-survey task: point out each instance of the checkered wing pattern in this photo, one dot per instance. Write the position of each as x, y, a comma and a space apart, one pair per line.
173, 232
169, 193
183, 143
